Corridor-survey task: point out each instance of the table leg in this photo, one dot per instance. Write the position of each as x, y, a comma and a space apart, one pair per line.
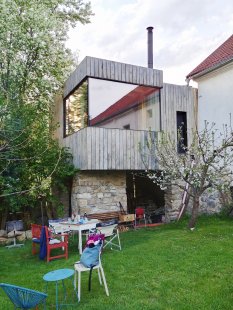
57, 306
64, 289
80, 241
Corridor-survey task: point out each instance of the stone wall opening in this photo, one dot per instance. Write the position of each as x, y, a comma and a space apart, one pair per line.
143, 192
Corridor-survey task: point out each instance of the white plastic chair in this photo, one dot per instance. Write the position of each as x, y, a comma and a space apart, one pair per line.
111, 235
79, 268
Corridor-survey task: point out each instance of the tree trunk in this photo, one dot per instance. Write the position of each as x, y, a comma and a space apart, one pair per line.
195, 210
4, 218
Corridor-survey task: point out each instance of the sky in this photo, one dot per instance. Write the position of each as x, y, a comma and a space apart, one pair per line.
185, 33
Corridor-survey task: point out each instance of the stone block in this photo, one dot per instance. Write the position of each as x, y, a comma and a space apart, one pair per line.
84, 196
3, 241
82, 203
3, 233
21, 237
14, 233
28, 234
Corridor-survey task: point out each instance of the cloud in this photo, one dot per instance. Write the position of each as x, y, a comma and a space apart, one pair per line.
185, 32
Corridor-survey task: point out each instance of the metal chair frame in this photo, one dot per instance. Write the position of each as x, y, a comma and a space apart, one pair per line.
22, 297
111, 235
14, 245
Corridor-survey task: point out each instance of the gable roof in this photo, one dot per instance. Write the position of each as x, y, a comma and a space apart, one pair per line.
132, 99
221, 56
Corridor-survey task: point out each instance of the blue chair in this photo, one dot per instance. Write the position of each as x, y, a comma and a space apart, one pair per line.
23, 298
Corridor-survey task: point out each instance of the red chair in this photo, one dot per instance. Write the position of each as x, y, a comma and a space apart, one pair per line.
56, 242
140, 216
53, 241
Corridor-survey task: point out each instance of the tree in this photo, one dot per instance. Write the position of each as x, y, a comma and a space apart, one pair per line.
205, 165
34, 63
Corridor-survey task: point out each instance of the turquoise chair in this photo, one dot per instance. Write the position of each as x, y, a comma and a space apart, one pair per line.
23, 298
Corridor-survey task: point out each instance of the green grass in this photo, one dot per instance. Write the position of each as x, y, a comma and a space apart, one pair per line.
166, 267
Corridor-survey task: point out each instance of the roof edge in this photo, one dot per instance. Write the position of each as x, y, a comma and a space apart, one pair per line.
206, 71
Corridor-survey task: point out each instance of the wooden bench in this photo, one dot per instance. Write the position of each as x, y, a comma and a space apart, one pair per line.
105, 216
113, 215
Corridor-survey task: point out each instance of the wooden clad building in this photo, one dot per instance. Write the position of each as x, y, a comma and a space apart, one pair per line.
105, 112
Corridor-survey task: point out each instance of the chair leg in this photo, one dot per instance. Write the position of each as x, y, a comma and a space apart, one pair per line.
75, 278
104, 280
66, 252
48, 255
99, 275
119, 241
79, 285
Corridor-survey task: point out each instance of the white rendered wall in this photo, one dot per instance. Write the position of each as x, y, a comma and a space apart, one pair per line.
215, 97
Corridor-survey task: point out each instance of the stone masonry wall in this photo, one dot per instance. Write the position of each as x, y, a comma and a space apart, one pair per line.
98, 191
172, 196
210, 203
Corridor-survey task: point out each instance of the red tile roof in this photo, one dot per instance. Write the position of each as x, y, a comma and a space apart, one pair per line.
222, 55
132, 99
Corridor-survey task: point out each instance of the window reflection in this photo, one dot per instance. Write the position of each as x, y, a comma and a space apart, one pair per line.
119, 105
112, 104
76, 110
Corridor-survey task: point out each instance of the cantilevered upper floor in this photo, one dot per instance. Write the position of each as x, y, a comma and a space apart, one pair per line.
108, 108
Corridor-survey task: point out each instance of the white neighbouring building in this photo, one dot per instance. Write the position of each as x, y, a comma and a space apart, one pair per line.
214, 76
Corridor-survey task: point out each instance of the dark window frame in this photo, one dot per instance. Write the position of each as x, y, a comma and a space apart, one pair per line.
181, 127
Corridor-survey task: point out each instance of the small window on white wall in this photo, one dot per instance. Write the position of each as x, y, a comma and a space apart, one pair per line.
126, 126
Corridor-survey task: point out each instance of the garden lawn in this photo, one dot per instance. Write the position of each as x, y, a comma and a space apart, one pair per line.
165, 267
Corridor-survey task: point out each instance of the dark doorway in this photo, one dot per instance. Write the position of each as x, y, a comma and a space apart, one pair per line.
142, 192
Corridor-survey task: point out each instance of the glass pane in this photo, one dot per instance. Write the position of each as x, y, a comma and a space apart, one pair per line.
120, 105
76, 110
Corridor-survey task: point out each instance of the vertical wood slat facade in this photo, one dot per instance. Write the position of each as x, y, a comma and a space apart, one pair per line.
96, 148
113, 71
178, 98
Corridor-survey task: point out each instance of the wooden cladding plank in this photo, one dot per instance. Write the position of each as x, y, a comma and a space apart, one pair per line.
123, 73
101, 148
105, 149
104, 68
89, 148
124, 148
121, 149
108, 71
109, 146
113, 148
128, 149
112, 70
98, 145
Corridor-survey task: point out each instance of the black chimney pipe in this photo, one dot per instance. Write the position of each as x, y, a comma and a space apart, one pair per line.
150, 46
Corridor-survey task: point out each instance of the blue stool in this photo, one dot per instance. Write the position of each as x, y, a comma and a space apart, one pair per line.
56, 276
